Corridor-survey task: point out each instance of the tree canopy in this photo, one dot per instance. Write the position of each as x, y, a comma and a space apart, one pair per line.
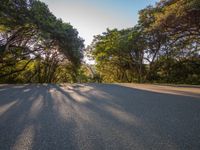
162, 47
37, 47
34, 43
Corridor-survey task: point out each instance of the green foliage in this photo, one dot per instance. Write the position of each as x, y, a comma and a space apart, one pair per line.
118, 60
35, 44
163, 47
37, 47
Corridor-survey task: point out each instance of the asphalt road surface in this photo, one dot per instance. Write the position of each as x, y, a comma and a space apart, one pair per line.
99, 117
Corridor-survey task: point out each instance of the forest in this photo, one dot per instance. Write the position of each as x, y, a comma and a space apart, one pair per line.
163, 47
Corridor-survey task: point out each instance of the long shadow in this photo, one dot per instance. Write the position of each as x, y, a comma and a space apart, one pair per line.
168, 118
15, 119
114, 117
88, 136
34, 122
8, 92
51, 131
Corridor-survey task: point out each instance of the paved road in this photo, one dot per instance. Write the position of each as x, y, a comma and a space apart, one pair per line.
98, 117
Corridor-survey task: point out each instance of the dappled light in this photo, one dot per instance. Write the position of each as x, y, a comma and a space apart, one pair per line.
90, 115
36, 107
79, 98
100, 75
28, 133
26, 90
123, 116
5, 107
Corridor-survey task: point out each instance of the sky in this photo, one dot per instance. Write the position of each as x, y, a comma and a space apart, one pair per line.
93, 17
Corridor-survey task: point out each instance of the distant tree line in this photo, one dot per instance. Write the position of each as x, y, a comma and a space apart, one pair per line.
163, 47
35, 46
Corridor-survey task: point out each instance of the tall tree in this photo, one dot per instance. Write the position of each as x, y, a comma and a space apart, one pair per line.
29, 31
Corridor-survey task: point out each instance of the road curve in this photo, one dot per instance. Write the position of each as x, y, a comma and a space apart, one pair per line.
98, 117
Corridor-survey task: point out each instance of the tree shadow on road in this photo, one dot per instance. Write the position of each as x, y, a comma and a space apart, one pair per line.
15, 105
166, 120
96, 116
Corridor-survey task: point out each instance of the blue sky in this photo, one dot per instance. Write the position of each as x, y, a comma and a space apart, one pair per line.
92, 17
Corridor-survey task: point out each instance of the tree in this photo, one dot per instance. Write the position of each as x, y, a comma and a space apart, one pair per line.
30, 32
164, 45
119, 55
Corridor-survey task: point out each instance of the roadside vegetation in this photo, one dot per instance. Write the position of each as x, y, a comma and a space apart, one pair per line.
35, 46
164, 47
